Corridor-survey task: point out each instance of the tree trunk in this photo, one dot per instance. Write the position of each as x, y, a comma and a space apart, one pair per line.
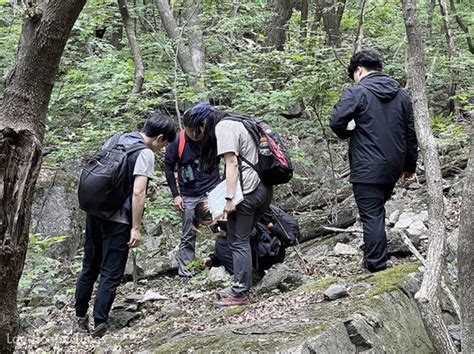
451, 54
132, 40
183, 53
196, 43
360, 28
304, 19
466, 254
462, 25
331, 12
276, 30
117, 35
431, 10
427, 296
28, 89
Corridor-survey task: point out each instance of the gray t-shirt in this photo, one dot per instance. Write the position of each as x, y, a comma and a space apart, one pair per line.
144, 166
233, 137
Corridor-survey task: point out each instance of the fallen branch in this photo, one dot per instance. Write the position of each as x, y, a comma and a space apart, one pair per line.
351, 229
325, 230
261, 333
444, 287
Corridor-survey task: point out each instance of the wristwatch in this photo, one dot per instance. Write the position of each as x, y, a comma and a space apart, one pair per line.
229, 198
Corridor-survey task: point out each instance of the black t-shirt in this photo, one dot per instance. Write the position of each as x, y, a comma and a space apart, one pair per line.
191, 154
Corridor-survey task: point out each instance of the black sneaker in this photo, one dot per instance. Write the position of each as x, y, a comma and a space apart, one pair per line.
82, 324
100, 330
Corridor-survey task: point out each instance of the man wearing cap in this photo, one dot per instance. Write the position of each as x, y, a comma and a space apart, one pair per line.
383, 146
185, 153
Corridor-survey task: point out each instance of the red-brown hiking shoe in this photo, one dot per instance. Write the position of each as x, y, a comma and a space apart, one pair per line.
232, 301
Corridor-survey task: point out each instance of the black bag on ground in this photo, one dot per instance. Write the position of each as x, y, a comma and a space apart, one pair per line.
285, 227
107, 178
274, 164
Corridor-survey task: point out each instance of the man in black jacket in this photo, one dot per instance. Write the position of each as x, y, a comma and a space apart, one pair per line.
383, 145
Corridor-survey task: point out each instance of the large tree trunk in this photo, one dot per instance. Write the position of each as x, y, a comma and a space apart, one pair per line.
28, 89
132, 40
196, 42
182, 51
466, 254
275, 35
451, 54
331, 12
427, 296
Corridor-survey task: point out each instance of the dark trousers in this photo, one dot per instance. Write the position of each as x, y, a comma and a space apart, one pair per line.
224, 254
239, 227
370, 199
105, 254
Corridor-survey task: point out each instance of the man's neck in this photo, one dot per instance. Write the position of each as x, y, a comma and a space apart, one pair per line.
146, 139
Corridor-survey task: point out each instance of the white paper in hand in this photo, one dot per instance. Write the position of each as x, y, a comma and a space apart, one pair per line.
216, 198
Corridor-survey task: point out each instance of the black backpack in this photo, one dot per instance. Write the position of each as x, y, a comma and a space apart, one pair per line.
107, 178
274, 164
284, 227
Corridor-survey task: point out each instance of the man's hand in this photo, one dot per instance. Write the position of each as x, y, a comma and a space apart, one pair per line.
207, 262
409, 176
179, 203
229, 207
134, 238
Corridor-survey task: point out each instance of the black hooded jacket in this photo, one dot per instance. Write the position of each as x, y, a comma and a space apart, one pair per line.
383, 143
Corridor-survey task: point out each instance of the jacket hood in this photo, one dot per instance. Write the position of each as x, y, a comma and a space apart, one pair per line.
381, 85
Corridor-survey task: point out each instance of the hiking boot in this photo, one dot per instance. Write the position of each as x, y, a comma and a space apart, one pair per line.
232, 301
82, 324
100, 330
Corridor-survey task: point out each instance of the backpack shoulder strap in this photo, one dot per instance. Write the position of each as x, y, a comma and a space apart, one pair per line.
251, 126
181, 143
140, 145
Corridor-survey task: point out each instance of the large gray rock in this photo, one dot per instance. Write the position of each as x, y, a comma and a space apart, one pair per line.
334, 340
218, 275
55, 212
396, 246
409, 218
121, 319
280, 277
335, 291
405, 220
417, 228
344, 249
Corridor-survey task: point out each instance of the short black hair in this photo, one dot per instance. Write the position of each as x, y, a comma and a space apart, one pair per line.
159, 124
188, 120
368, 59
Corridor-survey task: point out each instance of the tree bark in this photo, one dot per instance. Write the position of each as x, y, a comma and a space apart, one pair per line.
427, 296
275, 35
431, 10
360, 28
182, 51
466, 254
132, 40
462, 25
304, 19
117, 35
27, 93
196, 42
451, 54
331, 12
